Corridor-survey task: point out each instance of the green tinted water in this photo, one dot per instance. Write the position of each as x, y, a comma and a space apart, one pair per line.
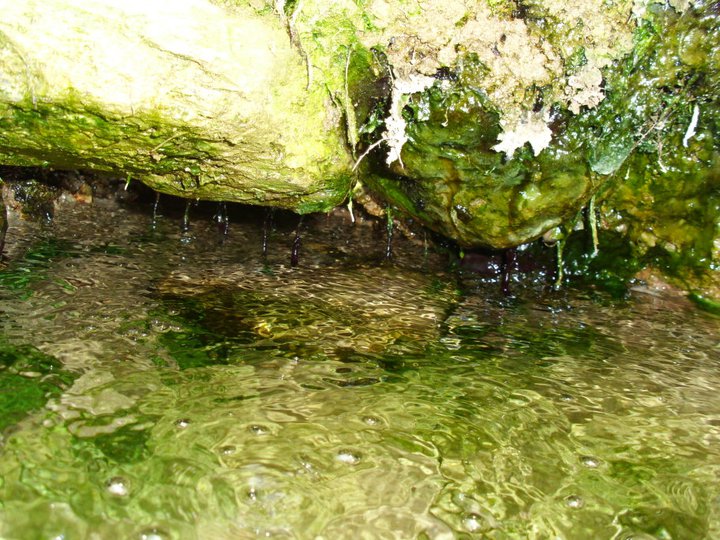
166, 385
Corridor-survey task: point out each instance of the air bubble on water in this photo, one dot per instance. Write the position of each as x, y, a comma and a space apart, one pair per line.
252, 494
590, 462
257, 429
348, 457
566, 397
182, 423
228, 450
152, 534
458, 497
573, 501
117, 486
371, 420
473, 522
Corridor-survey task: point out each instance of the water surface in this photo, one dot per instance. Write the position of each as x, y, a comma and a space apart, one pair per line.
167, 384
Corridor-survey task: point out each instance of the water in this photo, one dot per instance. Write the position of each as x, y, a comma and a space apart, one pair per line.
163, 383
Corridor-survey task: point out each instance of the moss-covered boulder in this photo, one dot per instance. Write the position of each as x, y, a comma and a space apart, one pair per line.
527, 109
196, 98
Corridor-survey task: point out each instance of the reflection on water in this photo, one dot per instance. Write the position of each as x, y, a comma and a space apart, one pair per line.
184, 388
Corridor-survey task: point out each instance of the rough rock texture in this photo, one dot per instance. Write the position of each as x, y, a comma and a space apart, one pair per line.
195, 99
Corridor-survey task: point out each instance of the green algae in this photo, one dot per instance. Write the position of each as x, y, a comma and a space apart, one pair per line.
654, 180
171, 158
454, 181
28, 378
22, 275
663, 190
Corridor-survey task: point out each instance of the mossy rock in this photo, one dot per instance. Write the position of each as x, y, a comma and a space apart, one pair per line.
197, 100
470, 173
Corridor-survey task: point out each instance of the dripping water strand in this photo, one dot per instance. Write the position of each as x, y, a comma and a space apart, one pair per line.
592, 216
186, 217
559, 247
223, 221
295, 252
267, 225
389, 245
155, 207
509, 259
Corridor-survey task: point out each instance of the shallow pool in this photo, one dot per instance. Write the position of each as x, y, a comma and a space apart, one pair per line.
160, 383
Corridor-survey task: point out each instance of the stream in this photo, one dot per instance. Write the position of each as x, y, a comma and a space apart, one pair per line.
162, 383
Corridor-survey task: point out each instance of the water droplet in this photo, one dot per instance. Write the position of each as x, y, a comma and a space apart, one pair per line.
371, 420
118, 486
348, 457
473, 522
590, 462
182, 423
153, 533
458, 497
573, 501
257, 429
228, 450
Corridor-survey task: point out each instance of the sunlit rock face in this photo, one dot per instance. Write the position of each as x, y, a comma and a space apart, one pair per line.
193, 98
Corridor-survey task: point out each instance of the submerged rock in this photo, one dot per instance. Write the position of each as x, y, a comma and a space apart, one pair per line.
312, 309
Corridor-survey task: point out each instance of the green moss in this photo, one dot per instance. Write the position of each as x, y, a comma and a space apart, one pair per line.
707, 304
195, 137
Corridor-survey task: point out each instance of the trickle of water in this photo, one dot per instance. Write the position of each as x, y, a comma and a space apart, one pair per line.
390, 227
222, 219
186, 217
297, 242
267, 224
155, 214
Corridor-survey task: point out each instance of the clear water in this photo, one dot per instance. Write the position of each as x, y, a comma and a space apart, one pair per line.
160, 384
